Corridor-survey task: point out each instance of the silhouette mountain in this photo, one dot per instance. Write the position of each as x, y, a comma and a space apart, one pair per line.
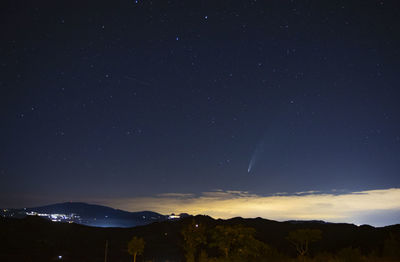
97, 215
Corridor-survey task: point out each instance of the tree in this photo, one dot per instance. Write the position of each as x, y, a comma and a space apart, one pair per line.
136, 247
227, 237
349, 254
302, 238
237, 243
203, 257
391, 247
193, 236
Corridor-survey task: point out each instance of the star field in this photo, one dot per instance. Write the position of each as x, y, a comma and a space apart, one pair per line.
138, 98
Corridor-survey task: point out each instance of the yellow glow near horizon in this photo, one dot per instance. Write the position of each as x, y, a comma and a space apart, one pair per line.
307, 206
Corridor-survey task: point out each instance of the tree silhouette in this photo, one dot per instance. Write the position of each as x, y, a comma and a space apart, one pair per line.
136, 247
193, 236
349, 254
237, 243
302, 238
391, 247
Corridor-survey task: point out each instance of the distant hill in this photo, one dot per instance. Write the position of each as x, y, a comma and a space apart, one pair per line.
95, 215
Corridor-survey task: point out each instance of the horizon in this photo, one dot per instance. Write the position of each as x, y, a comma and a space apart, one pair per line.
225, 205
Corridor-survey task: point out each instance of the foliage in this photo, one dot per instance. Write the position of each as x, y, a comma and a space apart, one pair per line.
237, 243
203, 256
349, 254
324, 257
234, 243
193, 236
230, 238
136, 247
302, 238
391, 247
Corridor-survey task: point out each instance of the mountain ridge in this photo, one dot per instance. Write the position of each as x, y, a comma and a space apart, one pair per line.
88, 214
106, 216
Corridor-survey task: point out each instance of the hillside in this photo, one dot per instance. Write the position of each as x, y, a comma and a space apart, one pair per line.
36, 239
91, 215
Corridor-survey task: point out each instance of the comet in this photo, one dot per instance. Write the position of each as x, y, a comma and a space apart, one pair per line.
257, 152
250, 165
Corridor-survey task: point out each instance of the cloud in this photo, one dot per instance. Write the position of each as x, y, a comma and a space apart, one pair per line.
176, 195
353, 207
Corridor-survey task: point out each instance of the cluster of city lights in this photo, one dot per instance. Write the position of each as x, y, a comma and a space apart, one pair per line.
70, 218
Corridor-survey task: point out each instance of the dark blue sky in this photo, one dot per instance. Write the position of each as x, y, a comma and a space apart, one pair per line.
123, 99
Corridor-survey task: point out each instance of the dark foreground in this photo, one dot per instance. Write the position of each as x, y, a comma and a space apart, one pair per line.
36, 239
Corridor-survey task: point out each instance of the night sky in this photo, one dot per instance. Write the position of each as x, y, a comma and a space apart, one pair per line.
104, 100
